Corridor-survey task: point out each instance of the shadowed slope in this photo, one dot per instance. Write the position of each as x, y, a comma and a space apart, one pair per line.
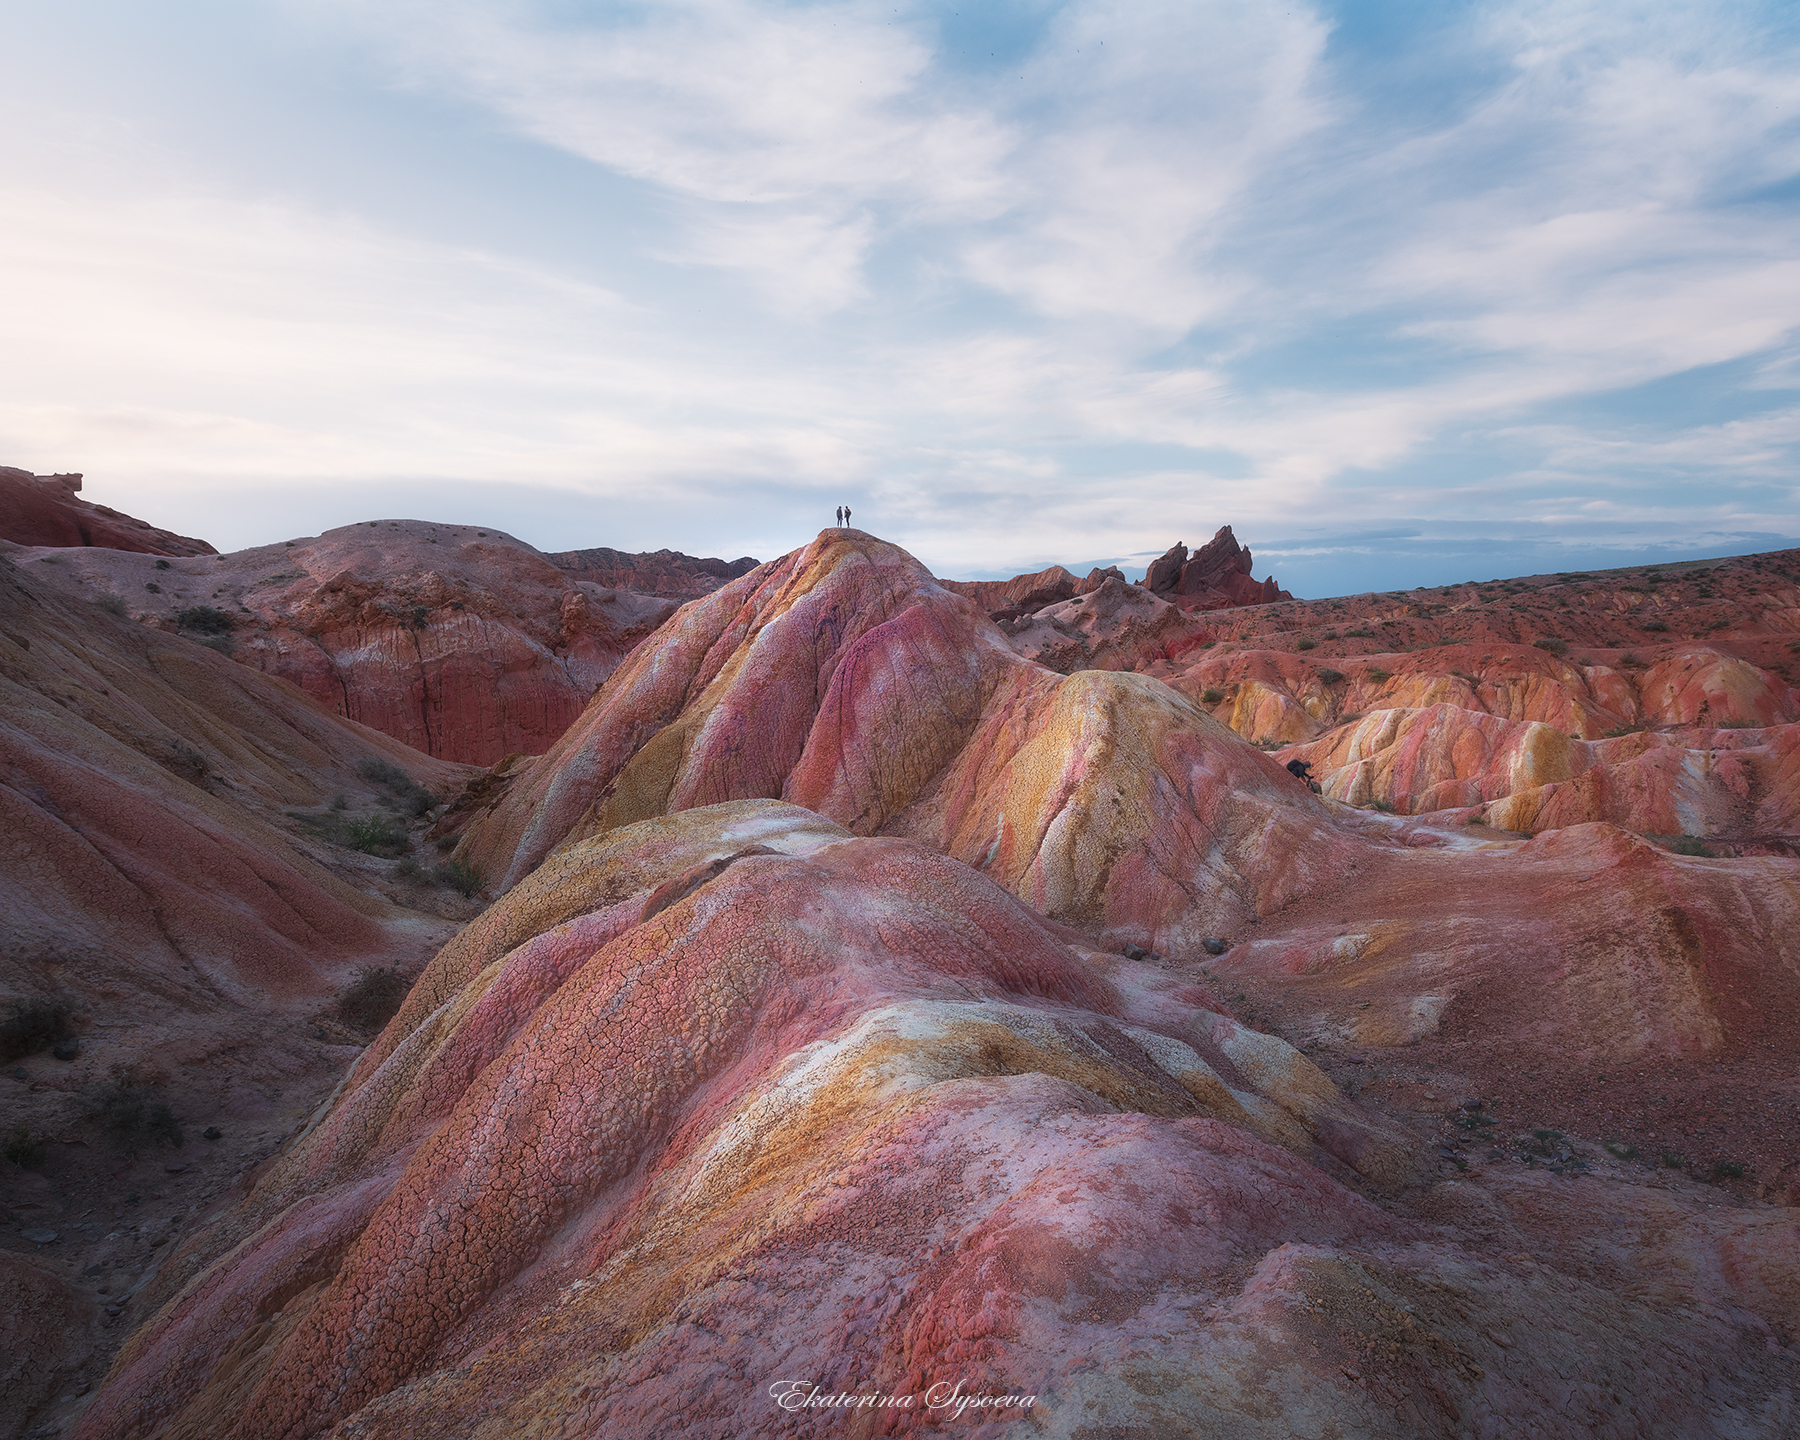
845, 679
148, 874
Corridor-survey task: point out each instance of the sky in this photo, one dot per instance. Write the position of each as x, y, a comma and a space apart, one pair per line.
1405, 293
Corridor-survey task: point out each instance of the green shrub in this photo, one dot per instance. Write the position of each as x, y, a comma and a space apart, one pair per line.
1553, 645
460, 876
1618, 730
1359, 634
374, 835
23, 1151
1304, 644
1737, 725
32, 1025
204, 619
162, 564
1654, 625
111, 603
1378, 675
412, 797
129, 1110
1331, 677
1729, 1170
370, 1000
1382, 805
1691, 845
1211, 696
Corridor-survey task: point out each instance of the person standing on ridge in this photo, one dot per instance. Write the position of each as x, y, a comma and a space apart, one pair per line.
846, 514
840, 515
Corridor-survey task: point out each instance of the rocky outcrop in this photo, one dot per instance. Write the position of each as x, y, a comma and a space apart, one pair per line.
1025, 594
730, 1109
1215, 577
45, 510
844, 678
667, 573
461, 642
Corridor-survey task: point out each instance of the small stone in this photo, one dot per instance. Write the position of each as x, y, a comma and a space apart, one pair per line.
38, 1237
173, 1169
19, 1073
1214, 947
93, 1270
1474, 1105
1135, 952
66, 1049
212, 1132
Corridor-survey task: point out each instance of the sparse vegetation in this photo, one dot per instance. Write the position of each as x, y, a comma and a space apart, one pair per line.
162, 564
1359, 634
221, 643
33, 1025
1211, 696
1618, 730
1553, 645
111, 602
1690, 845
374, 835
1331, 677
370, 1000
23, 1151
1304, 643
1673, 1160
1621, 1151
1736, 725
1729, 1170
1378, 675
1653, 625
204, 620
460, 876
411, 796
128, 1110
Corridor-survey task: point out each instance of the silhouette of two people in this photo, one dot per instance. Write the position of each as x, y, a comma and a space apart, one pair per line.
843, 514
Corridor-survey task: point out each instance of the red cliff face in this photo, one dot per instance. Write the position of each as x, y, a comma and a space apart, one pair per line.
461, 642
45, 510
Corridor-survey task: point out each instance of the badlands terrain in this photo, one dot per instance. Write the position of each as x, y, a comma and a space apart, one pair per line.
883, 1005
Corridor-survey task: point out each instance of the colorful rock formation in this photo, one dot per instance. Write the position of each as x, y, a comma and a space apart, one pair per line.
1662, 700
1215, 577
461, 642
843, 678
873, 1012
729, 1111
45, 510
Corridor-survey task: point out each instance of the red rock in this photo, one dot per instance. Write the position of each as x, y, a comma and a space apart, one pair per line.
460, 642
732, 1098
845, 679
667, 573
44, 510
151, 878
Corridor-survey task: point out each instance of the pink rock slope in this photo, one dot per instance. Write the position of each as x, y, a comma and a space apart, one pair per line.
727, 1112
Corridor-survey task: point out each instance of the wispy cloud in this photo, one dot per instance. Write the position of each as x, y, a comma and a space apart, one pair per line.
1072, 281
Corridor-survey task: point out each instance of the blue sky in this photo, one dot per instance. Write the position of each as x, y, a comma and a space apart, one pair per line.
1405, 293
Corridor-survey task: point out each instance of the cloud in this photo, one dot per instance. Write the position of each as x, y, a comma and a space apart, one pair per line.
1130, 271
